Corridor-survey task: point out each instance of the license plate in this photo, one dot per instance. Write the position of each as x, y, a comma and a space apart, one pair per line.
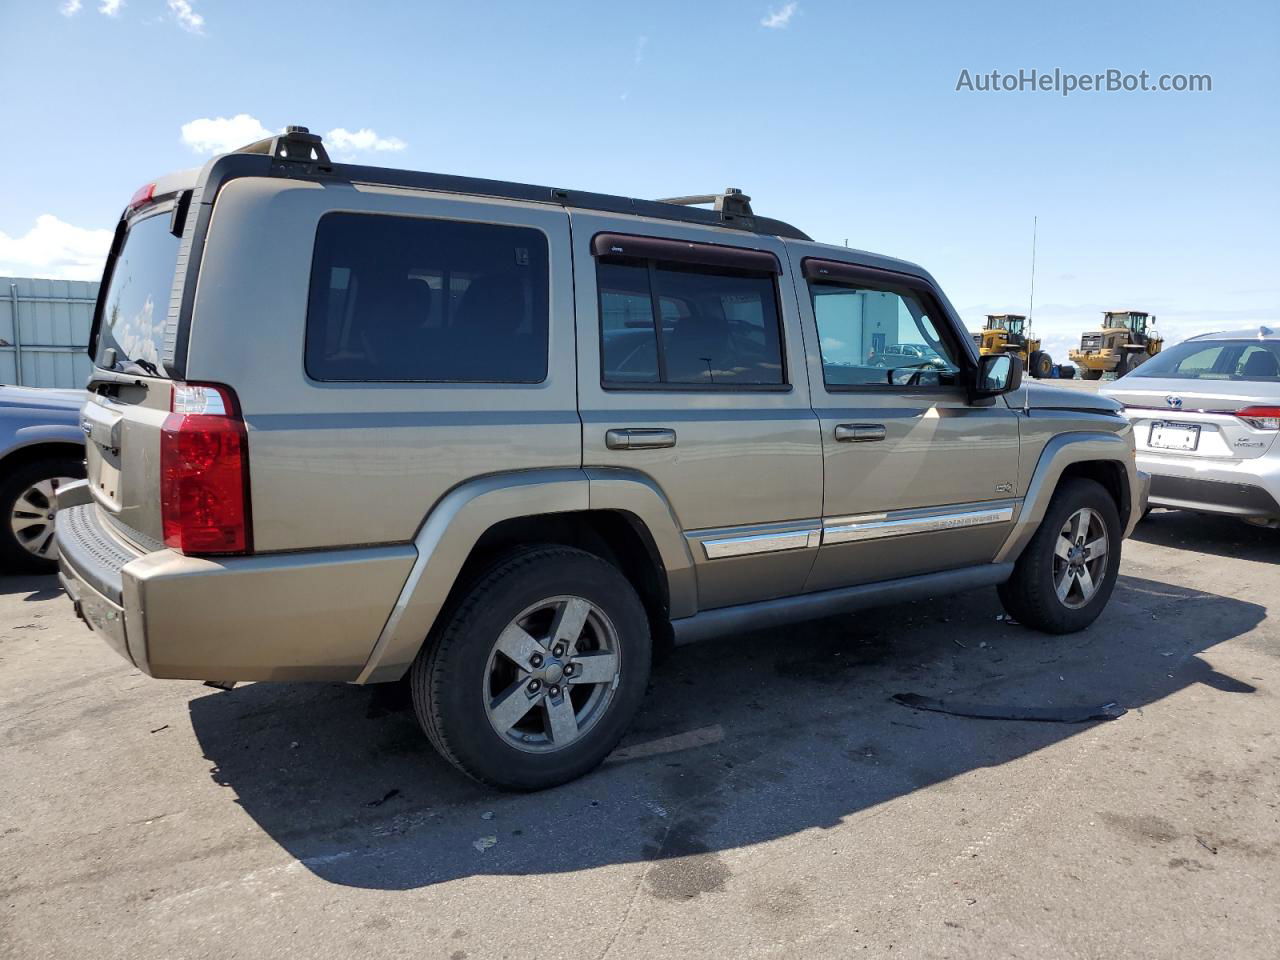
1174, 436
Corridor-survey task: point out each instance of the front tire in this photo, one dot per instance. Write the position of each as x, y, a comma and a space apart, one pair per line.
1088, 374
1041, 365
1067, 572
537, 670
26, 514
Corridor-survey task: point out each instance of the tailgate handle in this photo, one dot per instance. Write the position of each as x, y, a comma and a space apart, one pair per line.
640, 438
859, 432
105, 433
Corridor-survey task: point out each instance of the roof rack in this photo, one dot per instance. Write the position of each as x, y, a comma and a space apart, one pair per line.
299, 153
732, 202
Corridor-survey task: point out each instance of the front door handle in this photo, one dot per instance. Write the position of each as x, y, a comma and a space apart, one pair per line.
859, 432
640, 438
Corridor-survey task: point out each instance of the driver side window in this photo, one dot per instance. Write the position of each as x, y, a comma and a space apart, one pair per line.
877, 336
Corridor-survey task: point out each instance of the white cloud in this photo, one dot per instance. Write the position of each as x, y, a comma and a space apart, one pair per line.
110, 8
343, 140
778, 19
642, 42
70, 8
186, 16
55, 249
221, 134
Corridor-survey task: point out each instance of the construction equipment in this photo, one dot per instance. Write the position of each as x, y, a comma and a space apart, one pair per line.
1007, 333
1126, 340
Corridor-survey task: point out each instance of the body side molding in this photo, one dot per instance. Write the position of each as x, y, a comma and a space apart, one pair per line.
900, 523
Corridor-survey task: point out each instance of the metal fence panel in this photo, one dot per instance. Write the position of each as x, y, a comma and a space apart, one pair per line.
44, 329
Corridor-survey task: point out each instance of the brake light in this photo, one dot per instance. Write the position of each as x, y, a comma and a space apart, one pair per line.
204, 472
142, 196
1261, 418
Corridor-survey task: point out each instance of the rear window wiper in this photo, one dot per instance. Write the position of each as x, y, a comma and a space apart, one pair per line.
146, 366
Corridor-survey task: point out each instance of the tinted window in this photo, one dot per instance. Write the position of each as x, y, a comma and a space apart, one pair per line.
136, 304
713, 327
1216, 360
878, 336
395, 298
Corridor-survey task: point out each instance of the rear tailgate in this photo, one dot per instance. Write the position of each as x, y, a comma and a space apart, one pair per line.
122, 454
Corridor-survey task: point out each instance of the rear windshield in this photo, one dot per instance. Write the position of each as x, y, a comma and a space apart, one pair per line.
1216, 360
136, 304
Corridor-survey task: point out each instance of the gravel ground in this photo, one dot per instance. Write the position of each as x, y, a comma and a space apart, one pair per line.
772, 800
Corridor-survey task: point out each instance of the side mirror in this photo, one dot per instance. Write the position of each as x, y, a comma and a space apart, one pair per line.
997, 373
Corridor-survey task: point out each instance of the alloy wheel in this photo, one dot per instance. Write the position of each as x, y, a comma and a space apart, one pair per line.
552, 674
31, 518
1080, 557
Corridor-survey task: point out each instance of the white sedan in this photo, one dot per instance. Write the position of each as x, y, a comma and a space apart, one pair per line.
1206, 415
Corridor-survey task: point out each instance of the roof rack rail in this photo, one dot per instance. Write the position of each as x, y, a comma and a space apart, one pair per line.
732, 202
296, 143
299, 153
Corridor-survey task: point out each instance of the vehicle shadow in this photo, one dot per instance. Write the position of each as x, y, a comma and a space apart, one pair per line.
35, 587
740, 742
1209, 534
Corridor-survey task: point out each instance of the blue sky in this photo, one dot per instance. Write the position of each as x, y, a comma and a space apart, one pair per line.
843, 118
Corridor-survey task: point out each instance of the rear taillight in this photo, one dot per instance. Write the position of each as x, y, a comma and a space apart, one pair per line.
204, 472
1261, 418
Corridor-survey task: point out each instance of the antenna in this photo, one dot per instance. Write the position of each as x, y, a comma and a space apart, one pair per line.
1032, 304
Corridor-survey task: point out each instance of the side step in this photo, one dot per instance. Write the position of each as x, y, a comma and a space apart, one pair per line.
826, 603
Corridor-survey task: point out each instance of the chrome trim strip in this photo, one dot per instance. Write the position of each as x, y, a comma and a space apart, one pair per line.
773, 542
874, 526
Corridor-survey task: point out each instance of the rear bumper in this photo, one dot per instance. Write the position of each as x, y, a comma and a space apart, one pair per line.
1238, 488
301, 616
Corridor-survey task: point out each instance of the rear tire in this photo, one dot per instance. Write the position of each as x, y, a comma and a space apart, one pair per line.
26, 514
495, 691
1035, 594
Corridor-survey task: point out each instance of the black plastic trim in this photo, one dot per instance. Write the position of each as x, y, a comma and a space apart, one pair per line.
1243, 497
767, 614
625, 246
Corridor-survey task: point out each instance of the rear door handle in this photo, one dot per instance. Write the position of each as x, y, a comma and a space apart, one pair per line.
640, 438
859, 432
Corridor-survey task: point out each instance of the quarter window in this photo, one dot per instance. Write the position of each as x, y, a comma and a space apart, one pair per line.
879, 336
713, 326
408, 299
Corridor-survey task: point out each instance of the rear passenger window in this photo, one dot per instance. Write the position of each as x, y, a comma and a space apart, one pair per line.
713, 326
399, 298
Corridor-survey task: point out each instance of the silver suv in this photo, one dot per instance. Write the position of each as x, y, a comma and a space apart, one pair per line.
351, 424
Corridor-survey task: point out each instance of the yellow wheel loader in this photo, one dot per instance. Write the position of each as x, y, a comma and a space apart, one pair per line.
1007, 333
1126, 340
